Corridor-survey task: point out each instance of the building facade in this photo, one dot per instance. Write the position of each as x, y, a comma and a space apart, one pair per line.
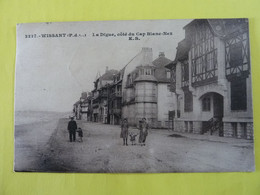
77, 110
81, 107
211, 79
100, 96
146, 91
165, 97
115, 99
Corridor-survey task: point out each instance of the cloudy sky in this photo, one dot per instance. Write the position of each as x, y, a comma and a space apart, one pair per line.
52, 72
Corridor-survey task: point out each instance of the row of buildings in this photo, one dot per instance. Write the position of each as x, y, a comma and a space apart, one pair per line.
140, 90
206, 89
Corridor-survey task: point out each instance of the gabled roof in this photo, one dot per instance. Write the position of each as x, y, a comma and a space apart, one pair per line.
77, 102
182, 52
109, 75
161, 61
223, 27
226, 27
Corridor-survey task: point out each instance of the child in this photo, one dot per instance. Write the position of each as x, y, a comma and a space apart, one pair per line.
80, 134
132, 138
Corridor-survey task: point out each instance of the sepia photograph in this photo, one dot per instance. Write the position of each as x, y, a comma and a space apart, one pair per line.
140, 96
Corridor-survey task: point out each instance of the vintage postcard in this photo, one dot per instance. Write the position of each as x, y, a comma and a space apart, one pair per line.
148, 96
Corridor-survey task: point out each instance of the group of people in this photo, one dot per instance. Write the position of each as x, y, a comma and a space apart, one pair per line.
143, 132
73, 128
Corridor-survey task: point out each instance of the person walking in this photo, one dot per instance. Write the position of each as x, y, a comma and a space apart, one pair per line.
72, 127
143, 127
124, 131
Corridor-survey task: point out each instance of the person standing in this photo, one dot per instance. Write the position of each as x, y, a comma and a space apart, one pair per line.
72, 127
143, 127
124, 131
80, 134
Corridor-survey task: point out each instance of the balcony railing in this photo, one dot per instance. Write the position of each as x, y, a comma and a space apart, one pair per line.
116, 94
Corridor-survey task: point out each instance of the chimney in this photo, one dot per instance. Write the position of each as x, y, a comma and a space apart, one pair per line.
161, 54
147, 56
106, 69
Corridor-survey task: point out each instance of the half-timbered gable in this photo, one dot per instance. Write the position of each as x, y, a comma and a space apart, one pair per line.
203, 52
237, 49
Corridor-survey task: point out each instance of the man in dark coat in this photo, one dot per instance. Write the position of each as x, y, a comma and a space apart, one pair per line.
72, 126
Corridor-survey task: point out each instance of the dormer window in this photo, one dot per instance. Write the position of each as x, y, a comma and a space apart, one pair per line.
148, 72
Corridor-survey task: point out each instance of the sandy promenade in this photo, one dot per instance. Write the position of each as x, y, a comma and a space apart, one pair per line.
102, 151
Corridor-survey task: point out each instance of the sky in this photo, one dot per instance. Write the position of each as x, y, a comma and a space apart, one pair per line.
51, 72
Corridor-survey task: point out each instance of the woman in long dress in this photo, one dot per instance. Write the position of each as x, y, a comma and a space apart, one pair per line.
124, 131
143, 127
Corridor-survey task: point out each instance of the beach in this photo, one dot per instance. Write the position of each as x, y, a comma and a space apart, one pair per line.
33, 131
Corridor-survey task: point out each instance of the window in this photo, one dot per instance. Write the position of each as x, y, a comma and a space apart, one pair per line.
206, 104
128, 79
169, 87
178, 113
203, 55
236, 58
186, 126
243, 127
234, 129
238, 94
148, 72
173, 79
185, 73
168, 74
188, 101
112, 104
118, 104
191, 126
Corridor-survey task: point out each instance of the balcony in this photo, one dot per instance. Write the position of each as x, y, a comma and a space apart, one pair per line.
117, 94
